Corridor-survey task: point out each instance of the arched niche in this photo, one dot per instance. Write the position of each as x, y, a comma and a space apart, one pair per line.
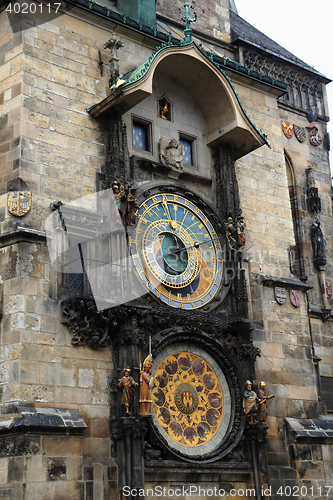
209, 87
296, 259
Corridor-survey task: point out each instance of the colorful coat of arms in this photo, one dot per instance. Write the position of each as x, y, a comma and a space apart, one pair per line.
300, 133
295, 297
314, 137
328, 288
280, 294
287, 129
19, 202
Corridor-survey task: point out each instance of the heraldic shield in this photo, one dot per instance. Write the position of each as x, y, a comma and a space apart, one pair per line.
280, 294
19, 202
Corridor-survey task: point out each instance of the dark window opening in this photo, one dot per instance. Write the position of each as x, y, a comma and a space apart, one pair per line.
141, 135
327, 392
187, 149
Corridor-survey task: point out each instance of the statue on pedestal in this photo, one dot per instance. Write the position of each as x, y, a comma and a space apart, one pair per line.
146, 380
127, 384
250, 403
262, 402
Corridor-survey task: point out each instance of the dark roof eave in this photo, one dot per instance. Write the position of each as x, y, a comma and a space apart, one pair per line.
235, 67
131, 24
104, 105
279, 56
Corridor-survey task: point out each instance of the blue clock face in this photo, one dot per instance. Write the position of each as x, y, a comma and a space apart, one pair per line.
177, 252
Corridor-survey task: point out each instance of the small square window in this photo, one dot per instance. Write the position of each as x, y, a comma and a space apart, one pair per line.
187, 150
141, 135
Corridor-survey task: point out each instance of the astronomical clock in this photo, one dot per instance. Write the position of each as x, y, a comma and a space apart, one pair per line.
177, 251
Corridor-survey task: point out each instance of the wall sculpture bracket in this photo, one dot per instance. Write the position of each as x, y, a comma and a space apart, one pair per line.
87, 325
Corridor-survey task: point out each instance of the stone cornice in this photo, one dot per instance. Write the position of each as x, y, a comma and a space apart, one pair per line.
21, 234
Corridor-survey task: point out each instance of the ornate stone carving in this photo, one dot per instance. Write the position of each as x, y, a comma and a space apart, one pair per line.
313, 200
114, 45
227, 195
87, 325
318, 245
171, 153
303, 91
326, 313
117, 166
151, 453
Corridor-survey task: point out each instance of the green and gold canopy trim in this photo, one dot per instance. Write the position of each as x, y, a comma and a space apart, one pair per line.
135, 75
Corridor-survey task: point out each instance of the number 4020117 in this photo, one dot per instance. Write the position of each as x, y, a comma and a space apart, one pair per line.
32, 8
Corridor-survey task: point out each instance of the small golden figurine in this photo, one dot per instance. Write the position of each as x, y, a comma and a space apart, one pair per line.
127, 384
164, 111
230, 232
241, 240
146, 381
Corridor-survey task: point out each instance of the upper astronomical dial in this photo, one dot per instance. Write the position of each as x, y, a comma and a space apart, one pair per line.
177, 251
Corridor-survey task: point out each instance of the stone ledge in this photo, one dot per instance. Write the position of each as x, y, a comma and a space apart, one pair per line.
293, 283
318, 431
20, 234
178, 472
187, 174
48, 419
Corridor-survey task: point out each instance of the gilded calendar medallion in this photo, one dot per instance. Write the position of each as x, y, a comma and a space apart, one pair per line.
190, 400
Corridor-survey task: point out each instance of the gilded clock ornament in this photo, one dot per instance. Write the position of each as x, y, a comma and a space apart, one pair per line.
190, 400
177, 251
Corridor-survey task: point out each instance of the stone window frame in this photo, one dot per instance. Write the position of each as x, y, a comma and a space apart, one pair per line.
193, 140
148, 124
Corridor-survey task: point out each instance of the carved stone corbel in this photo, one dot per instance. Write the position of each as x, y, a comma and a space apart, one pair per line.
88, 326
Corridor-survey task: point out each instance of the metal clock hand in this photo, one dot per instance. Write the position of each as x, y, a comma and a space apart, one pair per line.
181, 250
173, 224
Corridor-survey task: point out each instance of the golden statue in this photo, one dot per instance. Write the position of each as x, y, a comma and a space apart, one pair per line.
146, 380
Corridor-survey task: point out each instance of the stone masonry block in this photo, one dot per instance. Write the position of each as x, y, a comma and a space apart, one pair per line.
35, 468
67, 490
38, 491
16, 469
38, 352
29, 371
25, 321
72, 395
74, 469
96, 447
62, 446
56, 374
86, 378
309, 470
99, 428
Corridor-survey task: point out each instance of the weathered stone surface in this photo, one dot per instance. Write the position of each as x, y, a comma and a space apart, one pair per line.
49, 76
56, 469
20, 445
